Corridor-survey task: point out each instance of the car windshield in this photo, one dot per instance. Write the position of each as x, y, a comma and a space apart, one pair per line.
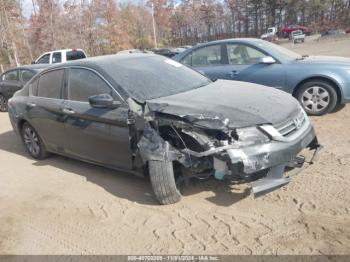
279, 51
148, 77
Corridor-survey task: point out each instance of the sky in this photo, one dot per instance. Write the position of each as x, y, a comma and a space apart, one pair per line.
27, 8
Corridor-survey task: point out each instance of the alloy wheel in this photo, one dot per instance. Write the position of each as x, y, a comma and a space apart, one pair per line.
315, 99
31, 140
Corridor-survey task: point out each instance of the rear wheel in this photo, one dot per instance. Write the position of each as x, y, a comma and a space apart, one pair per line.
317, 97
163, 182
33, 142
3, 104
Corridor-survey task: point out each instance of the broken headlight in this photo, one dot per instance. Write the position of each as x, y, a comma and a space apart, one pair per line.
250, 136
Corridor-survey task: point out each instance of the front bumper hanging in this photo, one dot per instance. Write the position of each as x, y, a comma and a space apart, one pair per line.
275, 176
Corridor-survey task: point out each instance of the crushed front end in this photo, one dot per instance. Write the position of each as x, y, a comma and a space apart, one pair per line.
210, 146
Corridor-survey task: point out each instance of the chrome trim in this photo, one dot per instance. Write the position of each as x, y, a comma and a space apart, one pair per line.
290, 126
277, 136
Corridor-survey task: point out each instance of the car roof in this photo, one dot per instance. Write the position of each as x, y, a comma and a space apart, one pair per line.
100, 63
36, 67
96, 60
62, 50
243, 40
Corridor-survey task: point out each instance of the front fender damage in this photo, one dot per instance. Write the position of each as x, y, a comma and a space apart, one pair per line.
153, 147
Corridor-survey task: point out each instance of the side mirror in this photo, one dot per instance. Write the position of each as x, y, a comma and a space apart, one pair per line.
103, 101
267, 60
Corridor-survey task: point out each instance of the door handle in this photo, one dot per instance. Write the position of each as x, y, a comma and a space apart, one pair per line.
68, 111
233, 74
31, 105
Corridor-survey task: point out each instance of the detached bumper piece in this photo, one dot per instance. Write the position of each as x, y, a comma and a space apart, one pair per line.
273, 180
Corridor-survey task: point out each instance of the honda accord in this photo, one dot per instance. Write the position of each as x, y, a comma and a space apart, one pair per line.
148, 114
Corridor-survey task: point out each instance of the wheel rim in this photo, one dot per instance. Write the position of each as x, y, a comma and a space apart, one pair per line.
3, 103
315, 99
31, 141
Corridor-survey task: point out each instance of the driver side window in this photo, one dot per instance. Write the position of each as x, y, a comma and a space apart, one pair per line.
84, 83
205, 56
239, 54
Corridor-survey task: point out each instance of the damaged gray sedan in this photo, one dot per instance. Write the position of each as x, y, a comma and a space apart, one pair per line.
150, 115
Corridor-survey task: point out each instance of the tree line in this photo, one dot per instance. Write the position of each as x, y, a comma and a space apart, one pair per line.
107, 26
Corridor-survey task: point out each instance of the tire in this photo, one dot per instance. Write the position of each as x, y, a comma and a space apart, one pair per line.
33, 143
317, 97
163, 182
3, 104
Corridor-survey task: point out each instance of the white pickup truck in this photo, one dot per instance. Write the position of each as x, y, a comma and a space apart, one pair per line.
60, 56
271, 32
297, 36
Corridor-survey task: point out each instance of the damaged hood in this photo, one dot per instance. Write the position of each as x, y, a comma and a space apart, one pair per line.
232, 104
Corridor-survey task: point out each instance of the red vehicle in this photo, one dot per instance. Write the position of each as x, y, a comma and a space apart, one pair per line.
285, 31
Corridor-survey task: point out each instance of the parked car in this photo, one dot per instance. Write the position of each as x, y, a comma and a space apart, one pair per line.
297, 36
271, 33
168, 122
287, 30
60, 56
168, 52
318, 82
332, 33
13, 80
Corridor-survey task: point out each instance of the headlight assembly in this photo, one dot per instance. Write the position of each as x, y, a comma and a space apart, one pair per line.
250, 136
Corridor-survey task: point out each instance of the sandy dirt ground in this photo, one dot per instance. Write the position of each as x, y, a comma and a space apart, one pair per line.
63, 206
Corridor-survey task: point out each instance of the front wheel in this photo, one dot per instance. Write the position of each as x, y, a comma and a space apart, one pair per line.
317, 97
33, 142
163, 182
3, 103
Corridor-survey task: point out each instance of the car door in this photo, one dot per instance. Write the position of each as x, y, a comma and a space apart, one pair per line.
244, 64
208, 60
100, 135
44, 109
10, 83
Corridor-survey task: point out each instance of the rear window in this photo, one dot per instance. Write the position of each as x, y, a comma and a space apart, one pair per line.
75, 55
50, 84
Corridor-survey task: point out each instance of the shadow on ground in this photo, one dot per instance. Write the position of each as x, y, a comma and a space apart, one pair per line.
121, 184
